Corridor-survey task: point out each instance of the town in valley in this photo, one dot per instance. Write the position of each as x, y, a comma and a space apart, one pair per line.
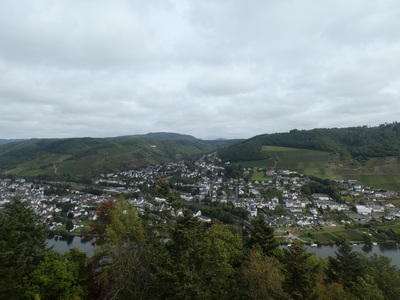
203, 185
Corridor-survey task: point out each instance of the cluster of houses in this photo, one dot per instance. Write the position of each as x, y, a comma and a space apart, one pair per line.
290, 208
79, 206
278, 194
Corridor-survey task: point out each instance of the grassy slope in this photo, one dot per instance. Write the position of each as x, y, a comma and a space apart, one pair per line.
328, 235
88, 156
378, 172
368, 154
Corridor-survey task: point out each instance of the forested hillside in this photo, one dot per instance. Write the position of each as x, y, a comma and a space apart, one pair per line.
91, 156
5, 141
359, 143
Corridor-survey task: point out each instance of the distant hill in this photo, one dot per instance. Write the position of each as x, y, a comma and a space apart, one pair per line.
171, 136
368, 154
360, 143
91, 156
6, 141
165, 136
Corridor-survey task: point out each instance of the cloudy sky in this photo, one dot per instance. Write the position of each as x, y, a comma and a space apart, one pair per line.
209, 68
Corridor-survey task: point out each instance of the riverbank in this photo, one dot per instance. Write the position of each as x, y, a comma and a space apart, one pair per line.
387, 232
390, 250
64, 243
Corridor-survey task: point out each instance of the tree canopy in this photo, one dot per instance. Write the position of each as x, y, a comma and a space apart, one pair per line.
173, 255
22, 246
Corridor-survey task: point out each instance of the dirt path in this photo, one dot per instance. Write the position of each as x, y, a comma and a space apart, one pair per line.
291, 236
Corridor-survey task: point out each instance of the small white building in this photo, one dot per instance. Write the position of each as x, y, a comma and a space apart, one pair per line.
363, 210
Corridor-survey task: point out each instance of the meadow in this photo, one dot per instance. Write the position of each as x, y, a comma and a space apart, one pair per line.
382, 173
304, 161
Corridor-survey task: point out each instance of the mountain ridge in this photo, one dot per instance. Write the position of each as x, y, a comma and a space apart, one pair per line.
352, 146
91, 156
352, 142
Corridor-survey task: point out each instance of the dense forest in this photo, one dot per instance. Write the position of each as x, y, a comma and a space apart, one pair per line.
172, 255
92, 156
359, 143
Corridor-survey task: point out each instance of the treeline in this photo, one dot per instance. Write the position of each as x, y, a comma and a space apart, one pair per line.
322, 186
360, 143
96, 155
172, 255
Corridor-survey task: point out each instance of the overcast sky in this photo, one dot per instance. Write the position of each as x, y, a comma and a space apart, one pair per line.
209, 68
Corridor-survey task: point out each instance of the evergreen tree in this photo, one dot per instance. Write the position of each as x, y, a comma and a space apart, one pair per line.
69, 225
384, 274
346, 267
262, 235
198, 263
22, 245
365, 289
180, 260
301, 273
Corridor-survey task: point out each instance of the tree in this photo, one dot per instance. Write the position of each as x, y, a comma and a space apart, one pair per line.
69, 225
127, 274
22, 245
367, 239
384, 275
301, 273
124, 225
159, 225
262, 277
263, 235
122, 261
97, 229
346, 267
179, 262
198, 263
332, 291
171, 195
223, 257
58, 276
365, 288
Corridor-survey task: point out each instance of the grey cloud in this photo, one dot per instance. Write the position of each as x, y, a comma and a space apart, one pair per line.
207, 68
227, 81
67, 32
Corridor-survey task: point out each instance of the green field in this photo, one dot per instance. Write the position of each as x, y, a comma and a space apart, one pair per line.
279, 149
329, 235
388, 182
376, 172
303, 161
260, 176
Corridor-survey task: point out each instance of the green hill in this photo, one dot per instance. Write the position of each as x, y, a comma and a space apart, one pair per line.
91, 156
6, 141
170, 136
165, 136
358, 143
368, 154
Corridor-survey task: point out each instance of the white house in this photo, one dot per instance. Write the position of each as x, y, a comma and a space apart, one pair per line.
363, 210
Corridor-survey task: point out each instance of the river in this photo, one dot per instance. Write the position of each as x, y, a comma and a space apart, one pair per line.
390, 250
63, 244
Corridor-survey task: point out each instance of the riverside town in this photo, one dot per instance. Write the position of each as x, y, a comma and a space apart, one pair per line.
284, 198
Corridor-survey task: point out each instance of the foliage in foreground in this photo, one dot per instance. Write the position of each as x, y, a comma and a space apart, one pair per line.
172, 255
